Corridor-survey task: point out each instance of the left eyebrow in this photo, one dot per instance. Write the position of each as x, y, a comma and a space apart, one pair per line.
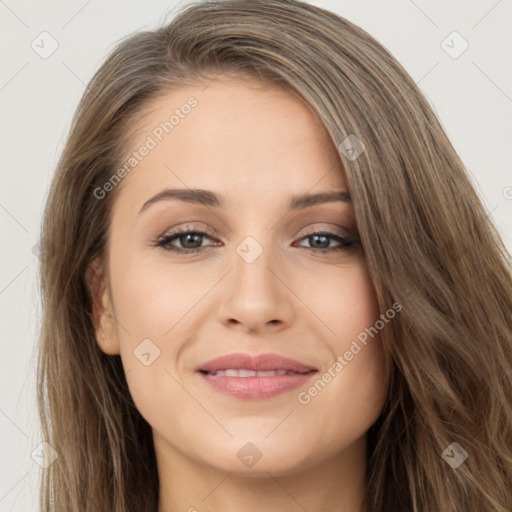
209, 198
307, 200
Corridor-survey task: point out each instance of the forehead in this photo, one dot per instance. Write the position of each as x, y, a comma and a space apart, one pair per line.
240, 137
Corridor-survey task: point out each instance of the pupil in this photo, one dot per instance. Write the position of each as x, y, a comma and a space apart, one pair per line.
190, 235
316, 237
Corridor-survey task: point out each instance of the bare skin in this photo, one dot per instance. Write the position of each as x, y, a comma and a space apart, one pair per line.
256, 146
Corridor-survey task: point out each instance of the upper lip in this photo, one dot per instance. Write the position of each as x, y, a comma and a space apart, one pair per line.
260, 362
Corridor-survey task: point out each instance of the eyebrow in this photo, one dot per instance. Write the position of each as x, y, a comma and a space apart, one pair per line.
208, 198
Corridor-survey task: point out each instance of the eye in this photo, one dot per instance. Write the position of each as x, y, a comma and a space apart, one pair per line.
190, 239
319, 241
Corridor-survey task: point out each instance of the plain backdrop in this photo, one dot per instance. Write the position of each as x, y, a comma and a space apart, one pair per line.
471, 93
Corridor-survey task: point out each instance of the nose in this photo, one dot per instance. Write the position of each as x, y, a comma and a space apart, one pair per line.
255, 295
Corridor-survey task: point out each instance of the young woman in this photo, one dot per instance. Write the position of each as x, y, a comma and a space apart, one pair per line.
273, 286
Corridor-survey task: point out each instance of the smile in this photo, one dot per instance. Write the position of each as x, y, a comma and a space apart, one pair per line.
255, 377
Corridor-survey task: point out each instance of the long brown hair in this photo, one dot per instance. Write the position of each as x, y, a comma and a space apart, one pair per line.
428, 242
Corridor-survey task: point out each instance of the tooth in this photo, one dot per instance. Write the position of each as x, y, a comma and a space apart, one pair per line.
232, 372
246, 373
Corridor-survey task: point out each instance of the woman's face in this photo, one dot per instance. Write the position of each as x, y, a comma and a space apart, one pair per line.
272, 275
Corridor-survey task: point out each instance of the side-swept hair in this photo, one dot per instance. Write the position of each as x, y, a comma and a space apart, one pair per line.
428, 242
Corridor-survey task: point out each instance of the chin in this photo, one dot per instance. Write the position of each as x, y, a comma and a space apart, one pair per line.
256, 456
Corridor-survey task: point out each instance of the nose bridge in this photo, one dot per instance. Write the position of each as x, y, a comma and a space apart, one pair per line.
252, 277
255, 296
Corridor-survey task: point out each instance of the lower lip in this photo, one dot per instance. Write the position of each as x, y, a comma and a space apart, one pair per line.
256, 388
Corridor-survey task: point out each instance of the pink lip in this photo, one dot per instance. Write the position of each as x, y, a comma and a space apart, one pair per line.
255, 387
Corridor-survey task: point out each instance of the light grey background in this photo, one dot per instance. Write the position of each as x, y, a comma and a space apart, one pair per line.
472, 95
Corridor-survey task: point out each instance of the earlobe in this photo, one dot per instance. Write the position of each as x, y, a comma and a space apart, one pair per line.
106, 335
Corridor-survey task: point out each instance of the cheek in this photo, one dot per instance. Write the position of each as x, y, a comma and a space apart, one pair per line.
358, 339
346, 304
156, 312
352, 386
150, 296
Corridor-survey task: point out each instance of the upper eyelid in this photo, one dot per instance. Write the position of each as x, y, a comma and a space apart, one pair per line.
210, 232
207, 230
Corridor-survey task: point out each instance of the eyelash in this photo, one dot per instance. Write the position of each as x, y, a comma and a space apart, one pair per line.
165, 240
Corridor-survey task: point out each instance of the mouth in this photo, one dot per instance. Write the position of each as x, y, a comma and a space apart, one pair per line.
255, 377
232, 372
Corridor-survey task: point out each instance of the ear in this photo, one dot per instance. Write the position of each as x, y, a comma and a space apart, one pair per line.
102, 311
